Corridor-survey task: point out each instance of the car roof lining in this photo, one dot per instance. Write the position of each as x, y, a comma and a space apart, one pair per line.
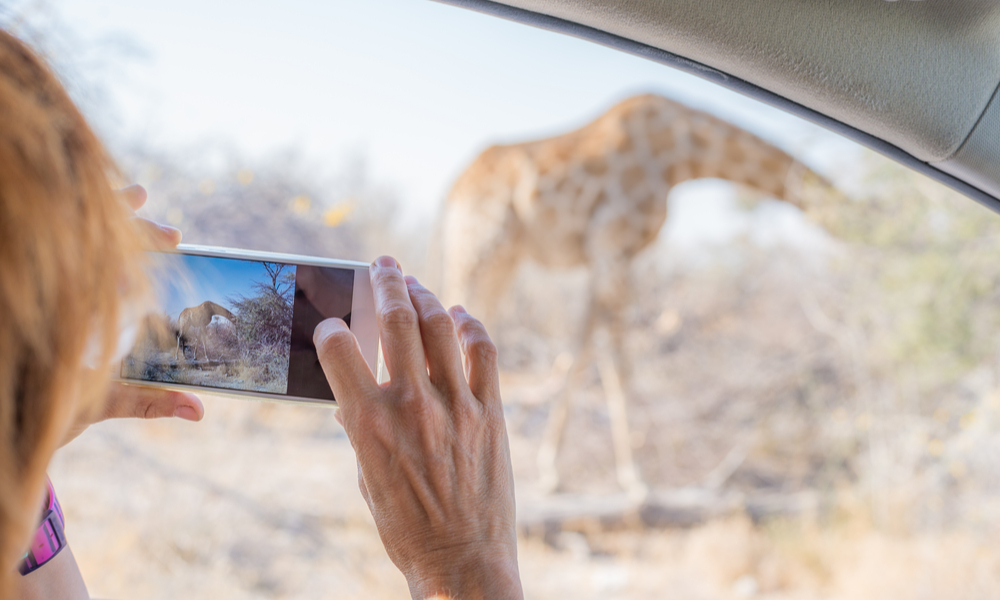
965, 159
977, 161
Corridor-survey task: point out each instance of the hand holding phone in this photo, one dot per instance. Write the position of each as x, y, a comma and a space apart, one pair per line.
124, 401
433, 457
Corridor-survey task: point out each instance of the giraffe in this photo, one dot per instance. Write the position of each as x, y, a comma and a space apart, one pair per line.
193, 323
594, 197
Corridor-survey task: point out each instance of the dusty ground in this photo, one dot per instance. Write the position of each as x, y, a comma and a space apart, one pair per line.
260, 501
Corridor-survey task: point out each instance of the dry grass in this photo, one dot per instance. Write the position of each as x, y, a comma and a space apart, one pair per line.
790, 560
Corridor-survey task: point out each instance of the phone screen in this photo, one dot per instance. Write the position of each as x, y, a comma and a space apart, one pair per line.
239, 324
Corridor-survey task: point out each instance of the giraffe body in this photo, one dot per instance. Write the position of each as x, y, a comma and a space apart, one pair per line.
193, 322
594, 193
594, 197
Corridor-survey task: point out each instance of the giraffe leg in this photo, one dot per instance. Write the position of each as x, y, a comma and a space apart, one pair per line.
611, 286
556, 424
197, 343
614, 380
548, 473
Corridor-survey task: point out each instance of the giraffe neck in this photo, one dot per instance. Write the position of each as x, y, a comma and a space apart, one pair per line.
680, 143
720, 150
215, 309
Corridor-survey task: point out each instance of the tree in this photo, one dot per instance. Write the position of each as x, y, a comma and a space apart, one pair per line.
264, 325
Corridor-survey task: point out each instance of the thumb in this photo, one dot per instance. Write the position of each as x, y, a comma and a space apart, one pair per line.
131, 401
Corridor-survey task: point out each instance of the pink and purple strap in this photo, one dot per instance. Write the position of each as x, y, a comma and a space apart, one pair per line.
49, 538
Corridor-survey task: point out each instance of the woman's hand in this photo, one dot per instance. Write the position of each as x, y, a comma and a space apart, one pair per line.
433, 457
135, 401
138, 402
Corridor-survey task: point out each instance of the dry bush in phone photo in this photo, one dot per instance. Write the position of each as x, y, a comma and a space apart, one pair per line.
263, 330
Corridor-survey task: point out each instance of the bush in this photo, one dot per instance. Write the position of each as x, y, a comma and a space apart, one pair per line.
263, 327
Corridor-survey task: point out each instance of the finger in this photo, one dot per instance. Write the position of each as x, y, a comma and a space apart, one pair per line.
132, 401
398, 324
480, 357
346, 371
444, 357
134, 196
160, 237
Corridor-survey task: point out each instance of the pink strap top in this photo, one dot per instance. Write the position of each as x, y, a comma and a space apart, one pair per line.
49, 537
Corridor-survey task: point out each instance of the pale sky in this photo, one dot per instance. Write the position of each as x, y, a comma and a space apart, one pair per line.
195, 279
418, 87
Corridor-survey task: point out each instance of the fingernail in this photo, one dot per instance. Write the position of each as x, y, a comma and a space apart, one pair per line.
171, 231
322, 329
187, 413
195, 402
459, 308
411, 280
386, 261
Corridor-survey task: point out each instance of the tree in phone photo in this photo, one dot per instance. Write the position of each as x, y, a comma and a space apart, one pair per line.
263, 330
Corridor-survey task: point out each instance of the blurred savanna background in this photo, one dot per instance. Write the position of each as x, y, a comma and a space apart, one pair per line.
815, 404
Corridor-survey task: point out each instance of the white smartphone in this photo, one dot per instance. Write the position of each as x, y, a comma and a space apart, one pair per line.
240, 323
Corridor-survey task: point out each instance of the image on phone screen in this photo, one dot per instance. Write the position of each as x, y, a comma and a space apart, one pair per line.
239, 324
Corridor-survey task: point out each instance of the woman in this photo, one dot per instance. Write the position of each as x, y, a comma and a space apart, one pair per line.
433, 460
70, 275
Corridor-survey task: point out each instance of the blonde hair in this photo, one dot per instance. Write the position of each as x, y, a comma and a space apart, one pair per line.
69, 262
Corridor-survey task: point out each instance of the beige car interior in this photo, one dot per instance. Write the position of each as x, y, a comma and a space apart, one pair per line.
913, 79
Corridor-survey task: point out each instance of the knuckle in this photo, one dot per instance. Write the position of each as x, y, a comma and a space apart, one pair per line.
483, 348
471, 326
418, 404
146, 410
424, 296
438, 323
399, 314
381, 277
